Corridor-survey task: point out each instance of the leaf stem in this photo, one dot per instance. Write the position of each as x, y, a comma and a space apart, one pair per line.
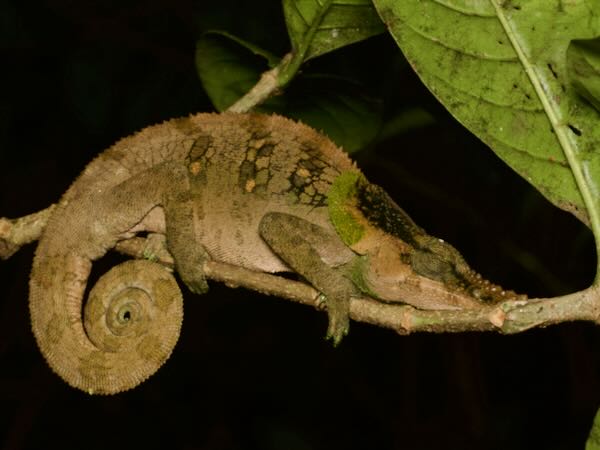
266, 86
299, 54
281, 75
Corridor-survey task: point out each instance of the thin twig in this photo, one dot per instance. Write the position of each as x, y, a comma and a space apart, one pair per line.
510, 317
507, 318
14, 233
267, 86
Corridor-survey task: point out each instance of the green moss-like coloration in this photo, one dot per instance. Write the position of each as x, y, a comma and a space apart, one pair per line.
342, 193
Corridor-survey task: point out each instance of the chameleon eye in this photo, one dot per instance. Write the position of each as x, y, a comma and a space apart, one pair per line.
432, 265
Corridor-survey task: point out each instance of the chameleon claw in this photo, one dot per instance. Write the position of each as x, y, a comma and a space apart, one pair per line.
198, 285
194, 278
336, 336
339, 326
321, 301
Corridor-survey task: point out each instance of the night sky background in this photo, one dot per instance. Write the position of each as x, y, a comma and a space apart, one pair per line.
254, 372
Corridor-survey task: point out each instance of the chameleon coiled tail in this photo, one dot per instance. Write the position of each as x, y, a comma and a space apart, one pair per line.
132, 321
134, 313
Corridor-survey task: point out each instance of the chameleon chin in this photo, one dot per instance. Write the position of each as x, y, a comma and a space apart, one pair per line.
257, 191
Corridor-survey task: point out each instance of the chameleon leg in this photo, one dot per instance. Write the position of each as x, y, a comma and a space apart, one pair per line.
297, 242
182, 240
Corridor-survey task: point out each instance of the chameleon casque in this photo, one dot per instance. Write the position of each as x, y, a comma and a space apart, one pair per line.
257, 191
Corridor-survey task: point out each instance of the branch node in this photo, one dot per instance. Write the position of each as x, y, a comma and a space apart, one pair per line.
405, 323
496, 317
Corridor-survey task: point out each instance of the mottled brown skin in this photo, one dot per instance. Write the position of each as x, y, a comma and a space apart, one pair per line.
205, 181
249, 190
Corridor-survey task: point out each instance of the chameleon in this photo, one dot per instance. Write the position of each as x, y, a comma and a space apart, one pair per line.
258, 191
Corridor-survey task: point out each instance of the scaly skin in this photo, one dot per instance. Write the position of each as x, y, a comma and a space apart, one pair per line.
205, 181
260, 192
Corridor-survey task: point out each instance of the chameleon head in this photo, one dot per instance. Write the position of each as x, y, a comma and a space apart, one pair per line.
399, 260
434, 276
387, 272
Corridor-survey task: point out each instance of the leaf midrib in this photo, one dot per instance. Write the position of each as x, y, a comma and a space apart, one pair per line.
560, 128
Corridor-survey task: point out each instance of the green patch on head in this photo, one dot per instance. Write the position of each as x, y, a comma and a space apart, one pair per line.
341, 196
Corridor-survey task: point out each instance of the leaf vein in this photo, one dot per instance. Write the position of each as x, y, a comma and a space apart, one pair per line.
458, 50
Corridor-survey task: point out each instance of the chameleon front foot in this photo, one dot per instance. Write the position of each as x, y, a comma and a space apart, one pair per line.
194, 277
339, 320
320, 257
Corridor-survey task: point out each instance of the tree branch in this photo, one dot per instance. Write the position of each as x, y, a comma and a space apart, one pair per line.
509, 317
268, 84
14, 233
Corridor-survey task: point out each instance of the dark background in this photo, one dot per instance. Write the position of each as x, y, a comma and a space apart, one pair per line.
255, 372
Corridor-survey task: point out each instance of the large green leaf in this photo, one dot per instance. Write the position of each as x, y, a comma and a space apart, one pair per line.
320, 26
593, 441
500, 68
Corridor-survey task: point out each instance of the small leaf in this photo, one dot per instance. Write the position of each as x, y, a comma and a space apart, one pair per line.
583, 60
593, 441
316, 27
405, 121
500, 68
228, 67
338, 107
